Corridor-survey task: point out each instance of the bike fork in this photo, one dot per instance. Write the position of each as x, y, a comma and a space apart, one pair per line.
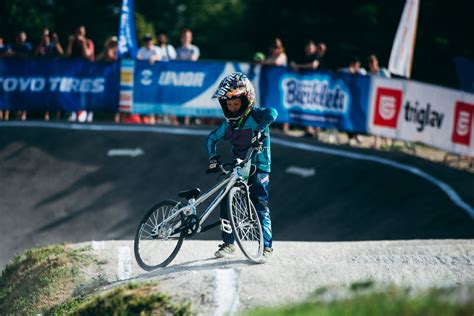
249, 205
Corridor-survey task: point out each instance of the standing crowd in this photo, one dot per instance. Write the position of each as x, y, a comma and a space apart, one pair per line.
80, 46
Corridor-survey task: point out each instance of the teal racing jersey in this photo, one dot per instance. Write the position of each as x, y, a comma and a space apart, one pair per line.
259, 119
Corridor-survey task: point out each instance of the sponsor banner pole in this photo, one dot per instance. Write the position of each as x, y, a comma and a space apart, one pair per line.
401, 56
127, 68
127, 48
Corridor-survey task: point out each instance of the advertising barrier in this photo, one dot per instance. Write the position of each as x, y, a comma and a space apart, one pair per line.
399, 109
325, 99
62, 84
418, 112
182, 87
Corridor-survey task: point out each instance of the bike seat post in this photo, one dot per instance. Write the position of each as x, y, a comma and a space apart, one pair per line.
191, 205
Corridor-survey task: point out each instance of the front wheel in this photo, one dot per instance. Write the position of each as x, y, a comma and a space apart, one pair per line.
159, 237
245, 224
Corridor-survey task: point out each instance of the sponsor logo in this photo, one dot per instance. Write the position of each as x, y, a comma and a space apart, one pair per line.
181, 78
422, 116
387, 107
53, 84
463, 118
145, 77
315, 95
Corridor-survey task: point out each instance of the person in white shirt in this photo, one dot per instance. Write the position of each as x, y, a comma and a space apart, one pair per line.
354, 67
167, 50
188, 51
149, 51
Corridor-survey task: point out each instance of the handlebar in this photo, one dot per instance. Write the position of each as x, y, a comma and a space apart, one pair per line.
238, 163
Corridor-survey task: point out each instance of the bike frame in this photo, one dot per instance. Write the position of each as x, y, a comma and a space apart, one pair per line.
190, 208
228, 183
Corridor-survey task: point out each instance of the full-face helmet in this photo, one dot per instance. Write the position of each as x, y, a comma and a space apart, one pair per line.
236, 85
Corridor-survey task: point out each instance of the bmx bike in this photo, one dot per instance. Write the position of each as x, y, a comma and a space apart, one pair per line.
163, 229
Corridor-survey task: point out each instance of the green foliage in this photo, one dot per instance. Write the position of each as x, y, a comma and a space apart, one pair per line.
35, 279
130, 299
390, 302
143, 27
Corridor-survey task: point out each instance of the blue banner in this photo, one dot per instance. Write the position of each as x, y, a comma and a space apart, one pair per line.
58, 84
127, 41
182, 87
325, 99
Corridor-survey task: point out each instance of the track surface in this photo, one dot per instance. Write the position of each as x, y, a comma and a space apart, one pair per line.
59, 185
219, 286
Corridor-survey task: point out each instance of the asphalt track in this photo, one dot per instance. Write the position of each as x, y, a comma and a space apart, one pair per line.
59, 185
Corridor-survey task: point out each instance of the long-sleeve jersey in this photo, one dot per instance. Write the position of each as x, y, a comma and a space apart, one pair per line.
258, 120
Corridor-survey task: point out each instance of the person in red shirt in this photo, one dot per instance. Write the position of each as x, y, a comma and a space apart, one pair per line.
80, 46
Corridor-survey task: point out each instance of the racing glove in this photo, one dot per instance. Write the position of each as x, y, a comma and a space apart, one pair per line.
257, 139
214, 165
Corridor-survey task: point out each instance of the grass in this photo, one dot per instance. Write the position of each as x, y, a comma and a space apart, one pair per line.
366, 301
51, 281
39, 278
132, 299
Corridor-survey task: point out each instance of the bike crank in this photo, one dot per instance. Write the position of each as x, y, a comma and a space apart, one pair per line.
190, 225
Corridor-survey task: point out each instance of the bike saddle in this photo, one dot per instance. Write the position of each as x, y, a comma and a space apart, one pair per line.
190, 194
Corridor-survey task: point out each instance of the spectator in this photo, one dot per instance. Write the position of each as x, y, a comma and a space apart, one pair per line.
354, 67
109, 53
149, 51
375, 70
21, 48
277, 55
48, 48
167, 50
152, 53
188, 51
79, 46
4, 48
321, 55
310, 60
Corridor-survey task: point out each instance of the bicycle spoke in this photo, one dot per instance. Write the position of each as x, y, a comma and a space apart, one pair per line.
247, 230
157, 241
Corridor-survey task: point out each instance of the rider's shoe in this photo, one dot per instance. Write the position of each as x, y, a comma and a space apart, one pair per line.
267, 254
225, 250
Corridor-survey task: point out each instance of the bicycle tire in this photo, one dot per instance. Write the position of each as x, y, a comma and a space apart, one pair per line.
245, 224
153, 251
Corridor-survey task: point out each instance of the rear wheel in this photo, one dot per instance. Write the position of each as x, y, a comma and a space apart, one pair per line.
158, 237
245, 224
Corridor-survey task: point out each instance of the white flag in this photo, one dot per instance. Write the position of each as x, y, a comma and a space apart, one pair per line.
404, 44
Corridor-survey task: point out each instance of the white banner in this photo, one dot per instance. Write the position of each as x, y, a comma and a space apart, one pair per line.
404, 44
419, 112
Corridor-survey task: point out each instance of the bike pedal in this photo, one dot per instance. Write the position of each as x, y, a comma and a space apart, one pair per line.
225, 226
